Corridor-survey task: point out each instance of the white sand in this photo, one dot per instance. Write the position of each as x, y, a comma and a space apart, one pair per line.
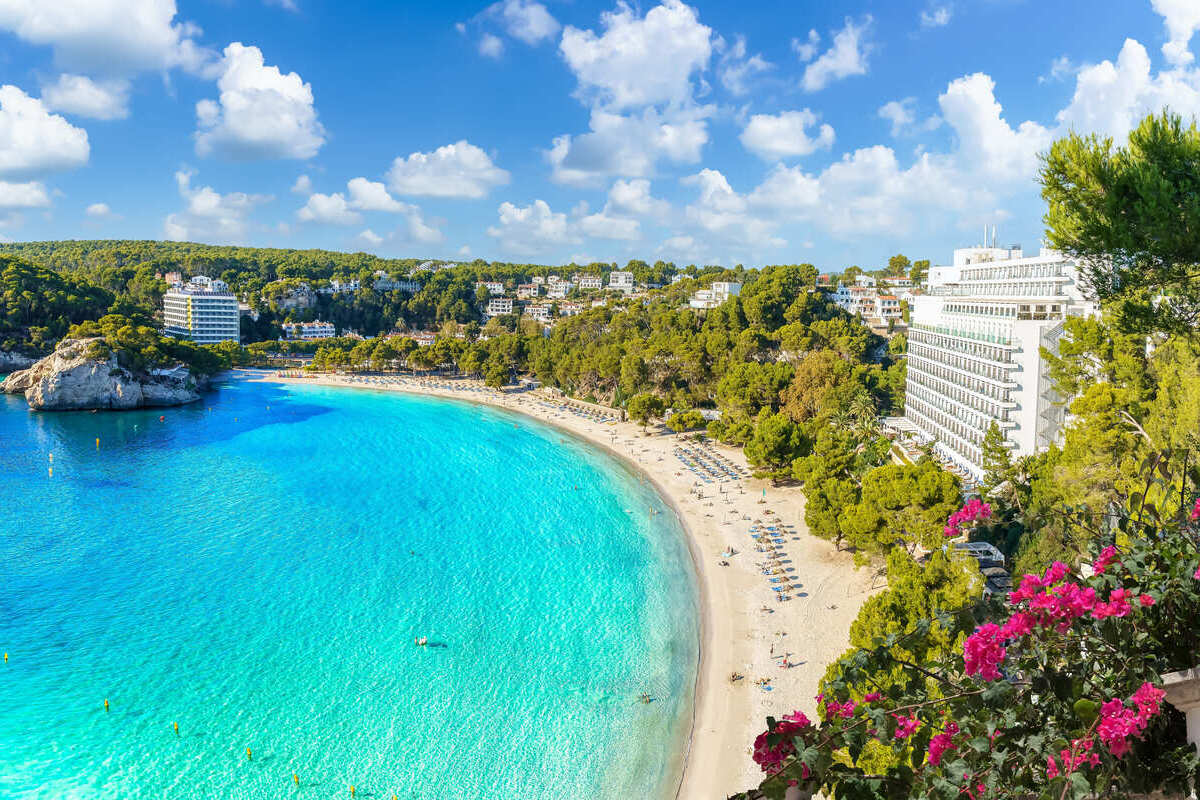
812, 629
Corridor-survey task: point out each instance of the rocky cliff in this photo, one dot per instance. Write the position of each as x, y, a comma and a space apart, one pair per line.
14, 361
79, 376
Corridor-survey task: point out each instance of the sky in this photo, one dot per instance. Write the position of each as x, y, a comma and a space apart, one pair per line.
768, 132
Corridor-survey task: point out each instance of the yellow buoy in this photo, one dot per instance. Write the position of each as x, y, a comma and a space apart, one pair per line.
295, 779
97, 442
6, 658
176, 728
352, 790
248, 757
51, 472
106, 704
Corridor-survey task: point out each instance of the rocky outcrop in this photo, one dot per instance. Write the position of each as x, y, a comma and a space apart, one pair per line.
82, 374
13, 361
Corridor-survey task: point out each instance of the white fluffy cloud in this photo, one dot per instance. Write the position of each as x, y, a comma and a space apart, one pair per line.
364, 195
936, 16
210, 216
261, 113
491, 46
785, 135
34, 142
84, 97
902, 114
628, 145
721, 211
106, 37
806, 49
526, 20
1111, 98
634, 197
328, 209
98, 211
453, 170
847, 56
23, 195
370, 237
607, 226
531, 229
736, 69
1182, 20
639, 61
985, 140
302, 186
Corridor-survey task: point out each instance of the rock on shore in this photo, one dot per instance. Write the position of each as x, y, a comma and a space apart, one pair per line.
13, 361
76, 377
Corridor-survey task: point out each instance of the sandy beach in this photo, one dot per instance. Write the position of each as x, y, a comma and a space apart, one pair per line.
745, 630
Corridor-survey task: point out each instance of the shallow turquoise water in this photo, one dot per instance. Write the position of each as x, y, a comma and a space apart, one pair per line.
257, 572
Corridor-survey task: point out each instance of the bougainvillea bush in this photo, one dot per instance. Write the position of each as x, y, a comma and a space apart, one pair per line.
1056, 693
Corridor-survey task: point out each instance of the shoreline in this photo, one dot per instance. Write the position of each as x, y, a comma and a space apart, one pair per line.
736, 634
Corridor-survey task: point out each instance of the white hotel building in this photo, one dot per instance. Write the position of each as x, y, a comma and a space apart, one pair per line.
202, 310
974, 350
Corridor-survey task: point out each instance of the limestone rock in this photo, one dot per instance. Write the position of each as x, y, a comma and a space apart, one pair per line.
78, 376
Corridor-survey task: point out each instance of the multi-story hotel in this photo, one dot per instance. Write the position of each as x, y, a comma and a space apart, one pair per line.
202, 310
974, 350
309, 331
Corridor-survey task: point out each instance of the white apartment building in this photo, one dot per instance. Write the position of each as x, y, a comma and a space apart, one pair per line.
541, 313
386, 283
974, 350
202, 310
493, 287
621, 281
337, 286
560, 290
497, 306
309, 331
715, 295
525, 291
590, 282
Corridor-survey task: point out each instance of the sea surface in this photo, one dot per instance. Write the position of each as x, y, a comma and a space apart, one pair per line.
255, 568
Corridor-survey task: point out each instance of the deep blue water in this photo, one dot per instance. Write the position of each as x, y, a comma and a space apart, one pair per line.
255, 568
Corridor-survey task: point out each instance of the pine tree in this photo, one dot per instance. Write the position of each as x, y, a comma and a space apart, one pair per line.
997, 460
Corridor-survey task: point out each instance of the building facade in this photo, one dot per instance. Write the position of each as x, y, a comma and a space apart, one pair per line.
621, 281
974, 350
202, 310
715, 295
497, 306
309, 331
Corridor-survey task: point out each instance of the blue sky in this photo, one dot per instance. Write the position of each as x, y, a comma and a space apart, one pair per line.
835, 133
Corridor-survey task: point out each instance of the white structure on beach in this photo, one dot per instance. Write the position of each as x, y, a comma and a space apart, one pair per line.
715, 295
202, 310
974, 350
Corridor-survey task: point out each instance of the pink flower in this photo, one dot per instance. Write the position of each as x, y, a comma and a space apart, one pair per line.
940, 743
1051, 768
983, 651
1106, 557
1146, 600
871, 697
1118, 723
1117, 605
906, 726
771, 757
1195, 515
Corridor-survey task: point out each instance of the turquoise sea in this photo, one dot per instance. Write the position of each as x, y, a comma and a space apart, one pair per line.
255, 568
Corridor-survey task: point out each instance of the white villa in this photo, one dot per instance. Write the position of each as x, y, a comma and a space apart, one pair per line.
496, 306
715, 295
621, 281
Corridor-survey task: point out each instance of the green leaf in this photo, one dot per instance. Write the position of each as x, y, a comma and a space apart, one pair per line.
1086, 710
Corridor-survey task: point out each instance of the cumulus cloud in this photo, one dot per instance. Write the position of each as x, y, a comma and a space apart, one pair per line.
371, 196
1060, 69
98, 211
370, 237
847, 56
23, 195
720, 210
936, 16
736, 70
1110, 99
785, 135
453, 170
1181, 19
491, 46
985, 139
525, 20
34, 142
531, 229
210, 216
902, 114
107, 37
628, 145
302, 186
806, 49
84, 97
639, 61
607, 226
328, 209
634, 197
260, 114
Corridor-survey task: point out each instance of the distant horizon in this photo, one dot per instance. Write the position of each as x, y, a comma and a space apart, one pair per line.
553, 132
